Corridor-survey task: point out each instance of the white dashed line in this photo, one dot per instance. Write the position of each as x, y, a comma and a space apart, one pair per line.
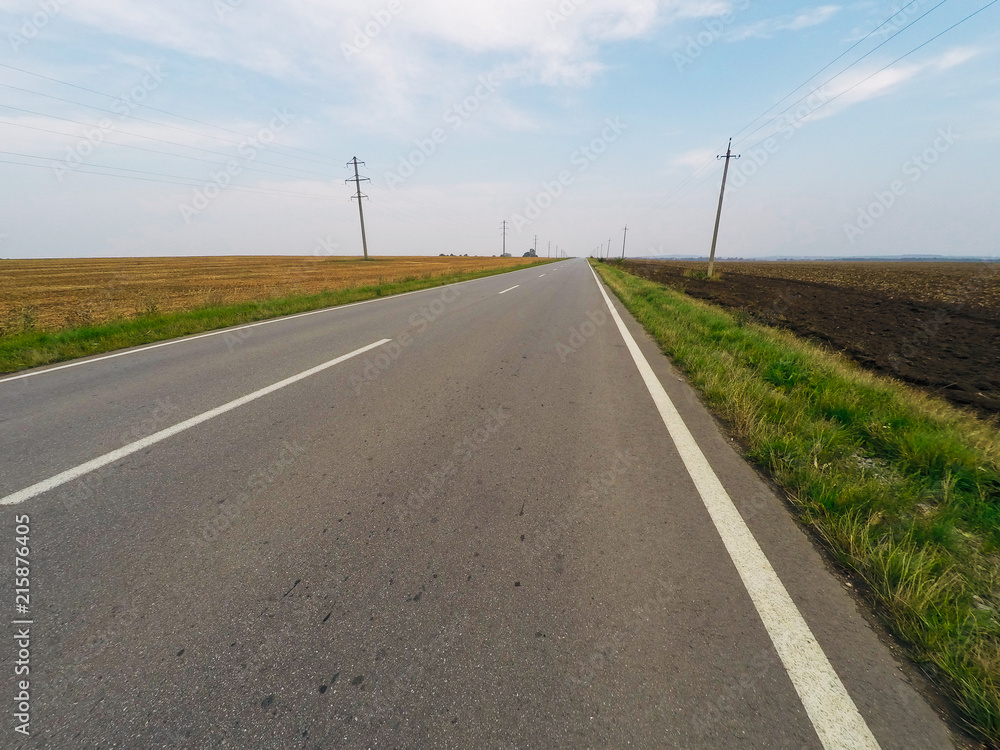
223, 331
116, 455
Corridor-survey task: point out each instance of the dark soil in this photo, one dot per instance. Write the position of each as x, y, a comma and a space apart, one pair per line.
950, 350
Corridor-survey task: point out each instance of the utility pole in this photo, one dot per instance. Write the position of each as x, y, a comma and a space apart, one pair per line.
718, 215
624, 237
504, 246
359, 196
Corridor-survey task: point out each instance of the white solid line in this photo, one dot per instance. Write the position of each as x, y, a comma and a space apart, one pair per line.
511, 289
115, 455
833, 713
222, 331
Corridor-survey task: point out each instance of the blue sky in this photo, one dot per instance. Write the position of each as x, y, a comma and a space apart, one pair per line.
567, 119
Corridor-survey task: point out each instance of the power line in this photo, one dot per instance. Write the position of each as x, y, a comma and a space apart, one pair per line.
143, 148
841, 72
195, 180
161, 140
423, 207
139, 119
669, 198
838, 57
261, 191
883, 68
313, 154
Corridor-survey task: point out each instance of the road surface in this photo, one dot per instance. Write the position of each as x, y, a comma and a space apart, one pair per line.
489, 515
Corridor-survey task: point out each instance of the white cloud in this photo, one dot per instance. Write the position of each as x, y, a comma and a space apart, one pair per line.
861, 85
694, 159
813, 17
956, 56
433, 48
772, 26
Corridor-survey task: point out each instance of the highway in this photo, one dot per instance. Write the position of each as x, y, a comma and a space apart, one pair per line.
488, 515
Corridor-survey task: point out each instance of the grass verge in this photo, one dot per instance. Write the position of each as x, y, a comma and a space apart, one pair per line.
35, 348
903, 488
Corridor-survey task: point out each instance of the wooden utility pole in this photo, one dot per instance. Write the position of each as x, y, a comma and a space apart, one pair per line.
624, 237
718, 214
359, 196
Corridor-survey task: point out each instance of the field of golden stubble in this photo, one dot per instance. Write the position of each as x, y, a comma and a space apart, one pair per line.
51, 294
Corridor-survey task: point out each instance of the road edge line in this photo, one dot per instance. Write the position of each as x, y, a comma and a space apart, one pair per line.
830, 708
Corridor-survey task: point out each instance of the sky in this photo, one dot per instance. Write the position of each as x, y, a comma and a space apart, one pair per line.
224, 127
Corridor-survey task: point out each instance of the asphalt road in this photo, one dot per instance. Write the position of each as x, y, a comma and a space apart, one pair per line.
482, 532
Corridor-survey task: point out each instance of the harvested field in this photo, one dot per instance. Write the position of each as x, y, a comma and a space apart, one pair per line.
934, 325
53, 294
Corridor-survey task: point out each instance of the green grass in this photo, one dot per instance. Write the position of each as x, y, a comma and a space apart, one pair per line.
34, 348
903, 488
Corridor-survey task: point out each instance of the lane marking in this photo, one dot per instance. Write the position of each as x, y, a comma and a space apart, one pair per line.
831, 710
540, 275
511, 289
115, 455
223, 331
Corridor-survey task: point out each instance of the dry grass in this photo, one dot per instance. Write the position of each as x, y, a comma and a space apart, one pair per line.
53, 294
972, 285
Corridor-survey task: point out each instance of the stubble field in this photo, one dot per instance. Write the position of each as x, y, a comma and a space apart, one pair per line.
53, 294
